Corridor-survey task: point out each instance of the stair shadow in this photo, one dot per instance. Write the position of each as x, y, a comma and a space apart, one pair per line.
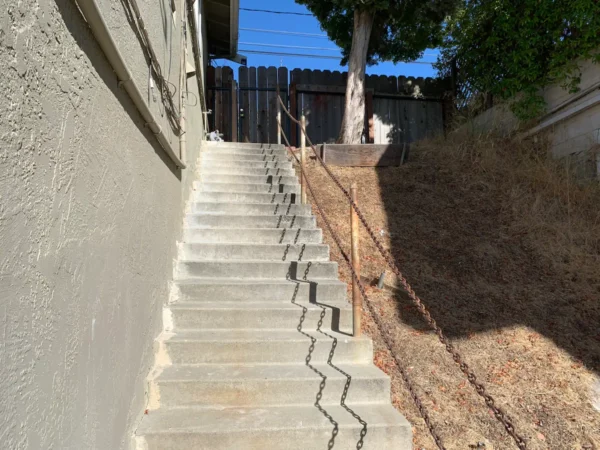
292, 276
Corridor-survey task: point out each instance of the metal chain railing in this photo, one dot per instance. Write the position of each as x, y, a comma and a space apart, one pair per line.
499, 414
386, 338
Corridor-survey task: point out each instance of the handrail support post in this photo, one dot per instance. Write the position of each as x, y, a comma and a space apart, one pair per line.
303, 158
357, 305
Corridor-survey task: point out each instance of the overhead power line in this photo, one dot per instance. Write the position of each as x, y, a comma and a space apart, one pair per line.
304, 55
264, 52
292, 33
275, 12
291, 46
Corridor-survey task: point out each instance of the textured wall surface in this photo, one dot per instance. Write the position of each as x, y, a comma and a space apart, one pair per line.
574, 136
90, 210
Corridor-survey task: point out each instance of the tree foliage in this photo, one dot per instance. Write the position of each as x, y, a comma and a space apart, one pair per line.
402, 30
512, 49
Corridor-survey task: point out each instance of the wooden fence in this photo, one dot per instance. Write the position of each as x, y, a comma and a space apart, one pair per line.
398, 109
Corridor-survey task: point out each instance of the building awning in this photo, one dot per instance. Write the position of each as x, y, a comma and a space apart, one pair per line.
222, 26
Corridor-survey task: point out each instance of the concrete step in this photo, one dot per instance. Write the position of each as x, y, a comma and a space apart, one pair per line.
245, 197
208, 165
288, 427
277, 252
256, 171
257, 269
253, 235
246, 150
219, 156
261, 291
222, 346
247, 221
255, 209
215, 146
270, 384
253, 179
260, 315
248, 187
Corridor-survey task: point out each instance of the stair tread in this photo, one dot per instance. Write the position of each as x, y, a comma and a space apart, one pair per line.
227, 373
253, 261
233, 215
252, 229
246, 281
220, 183
258, 305
248, 245
243, 192
238, 419
257, 335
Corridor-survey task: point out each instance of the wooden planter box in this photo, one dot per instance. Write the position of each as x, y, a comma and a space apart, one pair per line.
365, 155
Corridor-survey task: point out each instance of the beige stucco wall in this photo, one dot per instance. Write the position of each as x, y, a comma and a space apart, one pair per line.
90, 211
574, 136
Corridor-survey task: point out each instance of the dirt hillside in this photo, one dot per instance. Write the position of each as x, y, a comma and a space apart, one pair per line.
503, 246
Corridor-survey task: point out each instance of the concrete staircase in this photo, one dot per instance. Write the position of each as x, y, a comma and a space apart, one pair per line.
257, 351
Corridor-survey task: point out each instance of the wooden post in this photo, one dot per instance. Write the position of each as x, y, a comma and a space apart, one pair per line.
303, 157
356, 295
278, 120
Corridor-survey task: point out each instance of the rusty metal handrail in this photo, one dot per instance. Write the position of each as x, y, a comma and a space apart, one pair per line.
357, 281
499, 413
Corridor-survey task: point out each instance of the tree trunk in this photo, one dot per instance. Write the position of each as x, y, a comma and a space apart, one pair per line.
353, 123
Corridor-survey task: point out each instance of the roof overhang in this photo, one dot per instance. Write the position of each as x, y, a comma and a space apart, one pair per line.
222, 25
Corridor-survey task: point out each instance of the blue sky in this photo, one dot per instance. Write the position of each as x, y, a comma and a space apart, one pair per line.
302, 24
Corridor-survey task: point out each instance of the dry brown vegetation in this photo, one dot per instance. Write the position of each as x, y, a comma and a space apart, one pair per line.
503, 245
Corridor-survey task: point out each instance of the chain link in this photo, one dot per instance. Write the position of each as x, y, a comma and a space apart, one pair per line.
388, 342
499, 414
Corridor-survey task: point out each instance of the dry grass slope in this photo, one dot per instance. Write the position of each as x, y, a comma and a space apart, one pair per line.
503, 245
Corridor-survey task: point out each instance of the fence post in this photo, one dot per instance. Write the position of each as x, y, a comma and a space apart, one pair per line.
303, 157
278, 120
234, 112
356, 295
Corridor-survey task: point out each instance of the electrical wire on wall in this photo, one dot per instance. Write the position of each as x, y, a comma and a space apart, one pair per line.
163, 85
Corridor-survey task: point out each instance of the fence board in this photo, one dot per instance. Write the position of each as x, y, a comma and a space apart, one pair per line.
337, 79
306, 99
218, 112
263, 117
210, 83
283, 83
227, 116
381, 107
319, 116
272, 104
244, 104
234, 112
253, 105
295, 105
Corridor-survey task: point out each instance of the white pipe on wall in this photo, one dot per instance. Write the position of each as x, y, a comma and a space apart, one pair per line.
94, 18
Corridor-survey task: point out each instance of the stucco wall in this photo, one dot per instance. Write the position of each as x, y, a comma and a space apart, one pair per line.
574, 136
581, 131
90, 211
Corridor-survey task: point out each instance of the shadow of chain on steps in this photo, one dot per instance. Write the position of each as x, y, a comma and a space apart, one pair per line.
363, 432
291, 276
